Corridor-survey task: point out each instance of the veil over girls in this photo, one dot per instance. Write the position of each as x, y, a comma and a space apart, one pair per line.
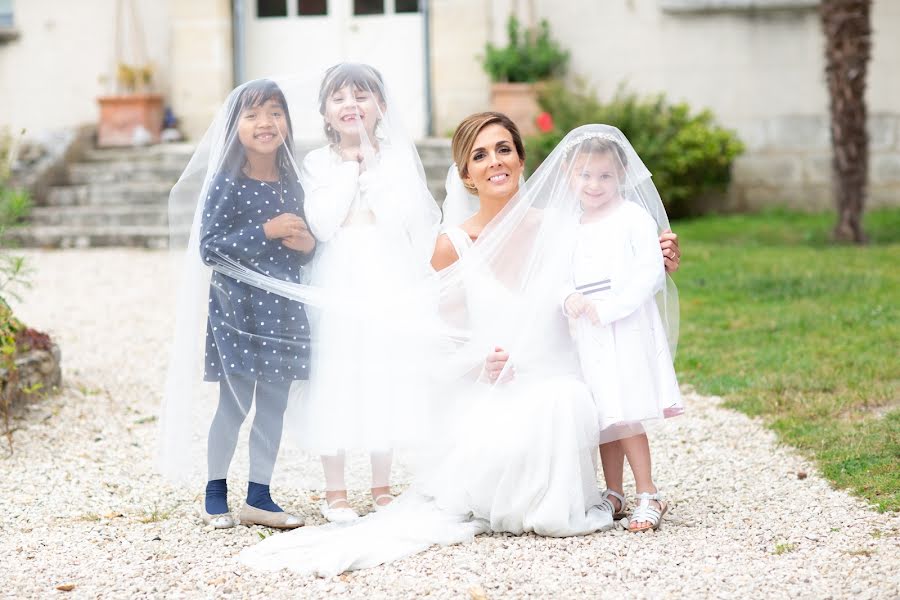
258, 291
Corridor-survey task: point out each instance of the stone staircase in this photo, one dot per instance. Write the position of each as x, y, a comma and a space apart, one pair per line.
436, 159
113, 197
119, 197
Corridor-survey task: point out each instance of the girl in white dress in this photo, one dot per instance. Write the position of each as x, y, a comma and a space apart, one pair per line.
375, 221
611, 298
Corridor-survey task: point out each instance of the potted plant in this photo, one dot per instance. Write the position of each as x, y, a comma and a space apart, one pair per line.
133, 116
517, 70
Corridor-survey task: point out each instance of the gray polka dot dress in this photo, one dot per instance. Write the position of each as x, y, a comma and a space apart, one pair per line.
252, 332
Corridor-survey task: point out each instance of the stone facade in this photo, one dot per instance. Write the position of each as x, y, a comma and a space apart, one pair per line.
791, 165
758, 64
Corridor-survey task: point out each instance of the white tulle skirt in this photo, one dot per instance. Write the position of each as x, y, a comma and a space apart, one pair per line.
518, 458
365, 388
629, 370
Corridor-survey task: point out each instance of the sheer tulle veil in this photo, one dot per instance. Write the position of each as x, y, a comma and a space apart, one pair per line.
247, 304
304, 262
515, 454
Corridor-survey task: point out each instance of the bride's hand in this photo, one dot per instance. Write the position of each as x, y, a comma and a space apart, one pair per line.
494, 365
668, 243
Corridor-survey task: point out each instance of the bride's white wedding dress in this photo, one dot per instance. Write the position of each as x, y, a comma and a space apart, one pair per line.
520, 458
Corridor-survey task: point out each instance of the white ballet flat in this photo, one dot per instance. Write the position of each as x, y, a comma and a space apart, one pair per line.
250, 515
220, 521
341, 514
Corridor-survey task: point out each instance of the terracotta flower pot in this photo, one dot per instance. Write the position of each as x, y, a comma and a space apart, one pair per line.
122, 116
519, 102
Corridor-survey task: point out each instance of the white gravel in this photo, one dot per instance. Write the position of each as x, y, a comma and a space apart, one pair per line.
82, 505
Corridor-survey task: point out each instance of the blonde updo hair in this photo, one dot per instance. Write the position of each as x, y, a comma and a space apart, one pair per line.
468, 130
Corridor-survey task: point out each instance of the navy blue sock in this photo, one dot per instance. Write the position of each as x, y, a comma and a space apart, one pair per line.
216, 497
258, 497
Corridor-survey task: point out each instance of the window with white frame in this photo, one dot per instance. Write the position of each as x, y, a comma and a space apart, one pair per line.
271, 8
381, 7
310, 8
406, 6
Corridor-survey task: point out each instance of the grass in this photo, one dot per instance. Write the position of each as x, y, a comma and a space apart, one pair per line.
157, 514
784, 548
802, 333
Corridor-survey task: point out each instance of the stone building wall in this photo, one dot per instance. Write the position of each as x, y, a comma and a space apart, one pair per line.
758, 64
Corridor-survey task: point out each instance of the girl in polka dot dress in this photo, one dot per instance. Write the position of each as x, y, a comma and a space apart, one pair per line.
257, 342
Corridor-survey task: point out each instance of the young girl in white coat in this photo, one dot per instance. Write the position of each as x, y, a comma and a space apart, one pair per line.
612, 296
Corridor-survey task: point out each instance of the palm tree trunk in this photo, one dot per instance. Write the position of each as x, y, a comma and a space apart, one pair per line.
847, 27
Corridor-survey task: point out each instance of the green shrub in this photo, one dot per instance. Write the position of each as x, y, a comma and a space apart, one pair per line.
529, 56
689, 155
15, 204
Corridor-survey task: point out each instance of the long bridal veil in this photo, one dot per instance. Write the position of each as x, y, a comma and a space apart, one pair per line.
513, 455
256, 309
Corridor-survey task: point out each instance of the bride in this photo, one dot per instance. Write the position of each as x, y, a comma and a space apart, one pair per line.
518, 448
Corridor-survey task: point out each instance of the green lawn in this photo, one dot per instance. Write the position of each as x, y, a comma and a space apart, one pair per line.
803, 333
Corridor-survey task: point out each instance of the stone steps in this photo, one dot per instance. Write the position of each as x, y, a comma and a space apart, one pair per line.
66, 236
178, 153
105, 194
120, 197
116, 172
113, 214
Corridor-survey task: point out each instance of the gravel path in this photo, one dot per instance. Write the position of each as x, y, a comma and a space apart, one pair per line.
82, 505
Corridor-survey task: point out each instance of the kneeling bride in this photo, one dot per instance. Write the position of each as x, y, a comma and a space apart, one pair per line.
518, 441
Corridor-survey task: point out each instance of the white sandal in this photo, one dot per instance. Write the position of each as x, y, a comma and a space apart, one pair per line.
647, 513
379, 497
341, 514
606, 504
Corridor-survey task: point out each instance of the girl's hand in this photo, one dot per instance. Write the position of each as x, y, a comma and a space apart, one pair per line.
494, 365
303, 243
285, 225
668, 243
354, 154
577, 305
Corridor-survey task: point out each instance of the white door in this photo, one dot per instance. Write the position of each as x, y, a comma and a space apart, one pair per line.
286, 37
